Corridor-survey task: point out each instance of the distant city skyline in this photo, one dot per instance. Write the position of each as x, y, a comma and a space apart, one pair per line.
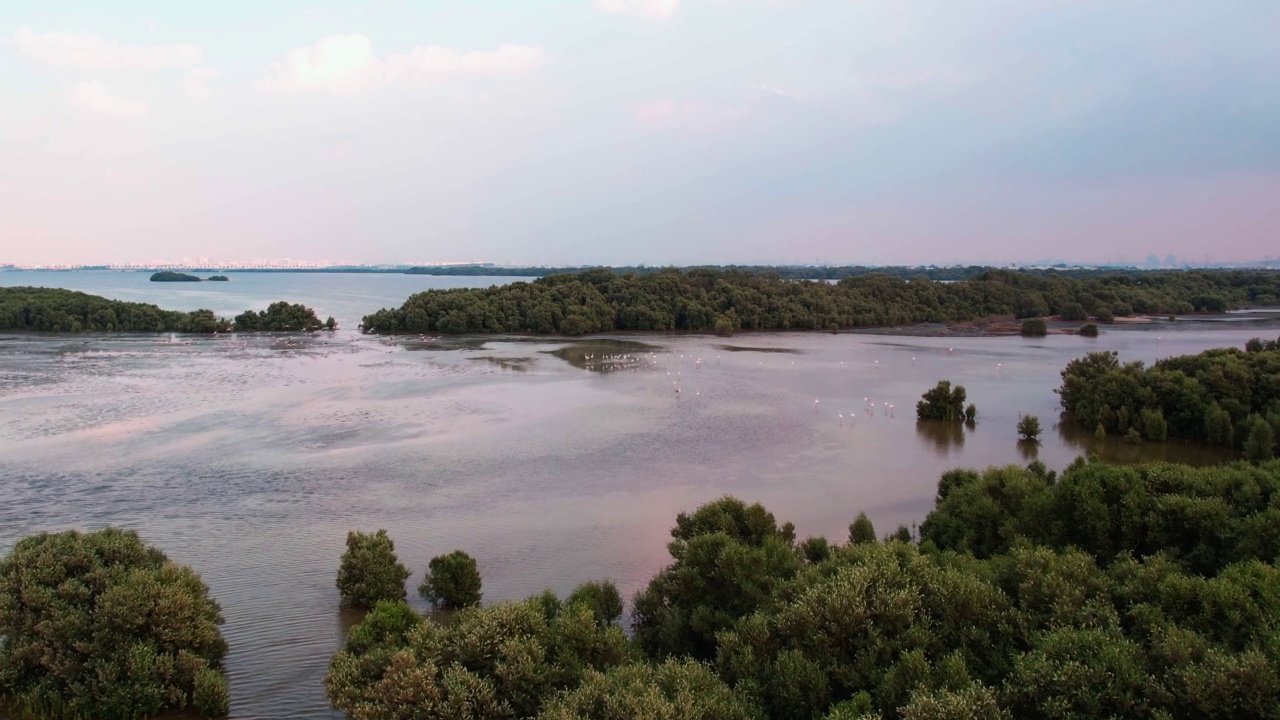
681, 132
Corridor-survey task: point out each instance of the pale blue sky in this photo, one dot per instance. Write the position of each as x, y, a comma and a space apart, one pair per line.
629, 131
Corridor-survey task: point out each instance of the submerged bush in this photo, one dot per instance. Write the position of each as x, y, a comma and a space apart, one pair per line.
100, 625
1029, 428
944, 402
452, 581
370, 571
280, 317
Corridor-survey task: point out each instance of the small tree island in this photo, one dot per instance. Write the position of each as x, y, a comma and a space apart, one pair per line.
170, 276
282, 317
945, 403
219, 278
56, 310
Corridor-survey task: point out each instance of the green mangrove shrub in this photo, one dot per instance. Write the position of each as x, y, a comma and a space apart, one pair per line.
101, 625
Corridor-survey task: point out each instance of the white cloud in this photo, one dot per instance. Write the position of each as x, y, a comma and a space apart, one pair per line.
652, 9
83, 50
195, 83
338, 64
95, 97
347, 64
153, 25
440, 61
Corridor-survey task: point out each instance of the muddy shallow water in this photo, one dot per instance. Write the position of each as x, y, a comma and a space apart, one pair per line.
552, 462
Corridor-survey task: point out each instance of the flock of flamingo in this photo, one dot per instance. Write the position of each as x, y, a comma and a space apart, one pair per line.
652, 361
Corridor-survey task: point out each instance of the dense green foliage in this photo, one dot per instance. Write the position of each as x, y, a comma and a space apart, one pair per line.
672, 690
55, 310
1034, 327
945, 403
602, 598
1029, 427
170, 276
1202, 519
219, 278
1074, 312
1089, 330
1109, 591
730, 558
497, 662
370, 572
279, 317
1260, 444
861, 531
452, 581
723, 301
1211, 397
100, 625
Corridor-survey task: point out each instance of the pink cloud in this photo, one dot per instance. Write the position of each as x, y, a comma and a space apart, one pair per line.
667, 112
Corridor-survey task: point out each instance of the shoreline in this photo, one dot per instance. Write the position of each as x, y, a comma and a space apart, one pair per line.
963, 329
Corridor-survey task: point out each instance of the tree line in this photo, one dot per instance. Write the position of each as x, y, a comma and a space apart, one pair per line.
58, 310
786, 272
707, 300
1223, 396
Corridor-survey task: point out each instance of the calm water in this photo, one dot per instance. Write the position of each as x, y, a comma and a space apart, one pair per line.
551, 462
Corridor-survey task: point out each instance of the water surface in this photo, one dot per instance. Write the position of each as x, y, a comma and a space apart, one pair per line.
553, 462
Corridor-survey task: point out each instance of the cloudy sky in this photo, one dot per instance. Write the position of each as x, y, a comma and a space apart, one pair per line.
640, 131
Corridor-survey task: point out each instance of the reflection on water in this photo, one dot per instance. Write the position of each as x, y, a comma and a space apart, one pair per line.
1114, 448
1029, 450
348, 618
250, 462
943, 436
748, 348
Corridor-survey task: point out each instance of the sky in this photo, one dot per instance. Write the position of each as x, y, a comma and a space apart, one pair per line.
640, 131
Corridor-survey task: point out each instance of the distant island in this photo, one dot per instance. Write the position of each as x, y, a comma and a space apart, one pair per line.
58, 310
169, 276
725, 301
219, 278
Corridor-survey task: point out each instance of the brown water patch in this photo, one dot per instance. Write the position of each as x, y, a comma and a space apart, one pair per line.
518, 364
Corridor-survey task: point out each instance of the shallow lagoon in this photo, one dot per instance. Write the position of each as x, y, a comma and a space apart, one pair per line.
552, 462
